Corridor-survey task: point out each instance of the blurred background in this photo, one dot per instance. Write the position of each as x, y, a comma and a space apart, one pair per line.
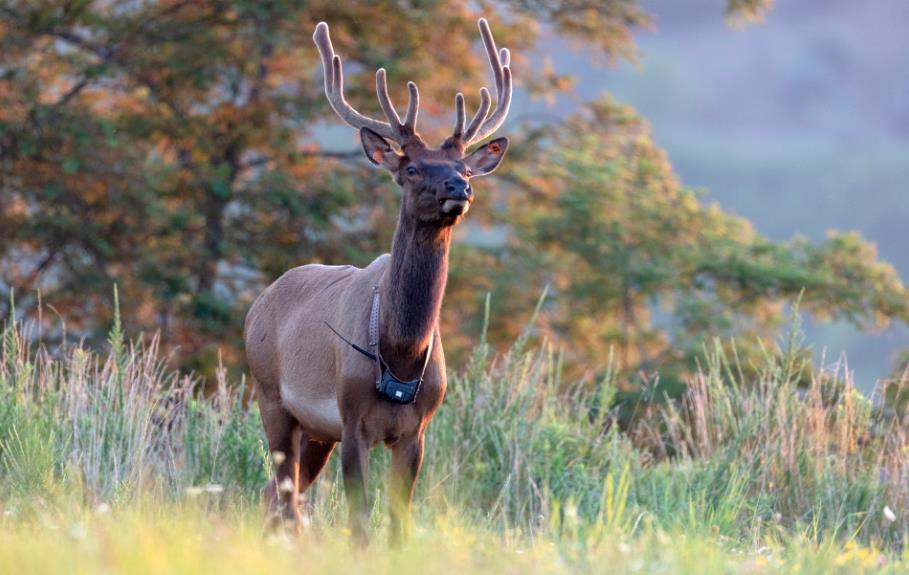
800, 124
679, 176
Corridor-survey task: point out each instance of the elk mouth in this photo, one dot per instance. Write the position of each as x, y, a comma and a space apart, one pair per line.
454, 207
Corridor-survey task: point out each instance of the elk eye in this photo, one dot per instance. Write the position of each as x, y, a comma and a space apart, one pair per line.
411, 171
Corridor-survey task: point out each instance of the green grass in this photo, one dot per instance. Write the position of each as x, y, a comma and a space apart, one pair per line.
112, 462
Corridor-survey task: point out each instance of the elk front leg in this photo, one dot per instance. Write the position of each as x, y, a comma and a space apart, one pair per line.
283, 435
354, 460
313, 457
406, 460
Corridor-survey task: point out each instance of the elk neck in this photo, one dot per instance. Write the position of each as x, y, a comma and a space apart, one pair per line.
411, 293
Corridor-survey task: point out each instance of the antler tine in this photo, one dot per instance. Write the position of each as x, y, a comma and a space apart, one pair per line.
413, 107
491, 52
334, 86
460, 116
385, 100
503, 103
500, 62
479, 117
409, 127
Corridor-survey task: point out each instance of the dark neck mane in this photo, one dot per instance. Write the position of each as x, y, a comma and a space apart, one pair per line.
411, 294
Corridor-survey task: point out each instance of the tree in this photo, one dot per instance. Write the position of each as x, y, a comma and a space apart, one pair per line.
168, 146
640, 264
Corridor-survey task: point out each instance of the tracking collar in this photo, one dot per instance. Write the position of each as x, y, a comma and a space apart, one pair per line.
388, 385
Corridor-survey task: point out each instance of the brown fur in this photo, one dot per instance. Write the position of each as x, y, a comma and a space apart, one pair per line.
314, 390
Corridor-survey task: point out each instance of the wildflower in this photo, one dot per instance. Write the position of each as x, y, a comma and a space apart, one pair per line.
286, 485
78, 531
193, 491
214, 488
889, 515
102, 509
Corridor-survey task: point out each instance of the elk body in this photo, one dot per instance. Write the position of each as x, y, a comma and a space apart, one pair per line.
314, 389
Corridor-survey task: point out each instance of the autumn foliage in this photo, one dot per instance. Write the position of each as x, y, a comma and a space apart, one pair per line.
182, 150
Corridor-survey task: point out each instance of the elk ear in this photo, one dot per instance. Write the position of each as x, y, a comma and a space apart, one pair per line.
485, 159
379, 151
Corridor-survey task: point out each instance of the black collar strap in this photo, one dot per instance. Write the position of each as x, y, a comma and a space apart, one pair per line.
388, 384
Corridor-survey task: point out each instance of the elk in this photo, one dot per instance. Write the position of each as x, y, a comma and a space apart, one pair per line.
305, 333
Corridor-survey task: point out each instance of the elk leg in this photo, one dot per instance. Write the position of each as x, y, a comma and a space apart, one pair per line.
354, 460
313, 457
283, 434
406, 460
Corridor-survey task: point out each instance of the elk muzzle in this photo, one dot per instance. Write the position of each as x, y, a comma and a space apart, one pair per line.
457, 198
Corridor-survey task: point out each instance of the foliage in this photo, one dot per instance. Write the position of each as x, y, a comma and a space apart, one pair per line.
639, 264
118, 425
747, 10
169, 145
896, 387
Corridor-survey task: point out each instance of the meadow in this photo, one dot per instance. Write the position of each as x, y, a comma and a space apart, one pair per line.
112, 462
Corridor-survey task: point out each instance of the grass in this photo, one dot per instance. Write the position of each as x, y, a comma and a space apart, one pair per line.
111, 462
193, 538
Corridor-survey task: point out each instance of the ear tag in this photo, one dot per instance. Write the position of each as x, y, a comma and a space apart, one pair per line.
377, 156
495, 148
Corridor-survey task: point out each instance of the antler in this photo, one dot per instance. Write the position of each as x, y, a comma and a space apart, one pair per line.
480, 126
334, 90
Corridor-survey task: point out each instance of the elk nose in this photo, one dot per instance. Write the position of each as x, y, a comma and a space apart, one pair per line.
458, 189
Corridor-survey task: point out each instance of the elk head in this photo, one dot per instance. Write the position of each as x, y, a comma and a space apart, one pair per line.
435, 181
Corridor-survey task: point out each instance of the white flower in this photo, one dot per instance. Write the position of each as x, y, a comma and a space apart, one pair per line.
889, 515
286, 485
102, 508
78, 531
193, 491
214, 488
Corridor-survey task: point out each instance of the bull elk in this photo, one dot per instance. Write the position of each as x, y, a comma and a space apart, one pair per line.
305, 334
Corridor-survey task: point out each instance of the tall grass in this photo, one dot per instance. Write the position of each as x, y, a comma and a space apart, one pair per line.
514, 450
113, 426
